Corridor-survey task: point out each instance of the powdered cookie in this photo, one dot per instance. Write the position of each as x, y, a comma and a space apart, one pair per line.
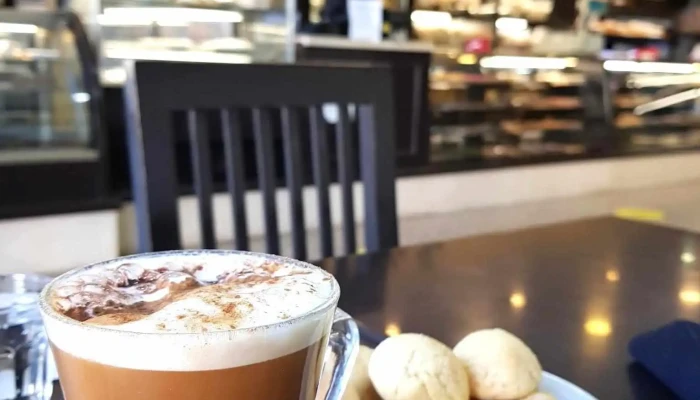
417, 367
539, 396
500, 366
360, 375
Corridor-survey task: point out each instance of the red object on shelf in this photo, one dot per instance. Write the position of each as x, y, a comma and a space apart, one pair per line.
647, 54
478, 46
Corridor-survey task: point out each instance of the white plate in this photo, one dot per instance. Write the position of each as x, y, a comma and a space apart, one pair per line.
562, 389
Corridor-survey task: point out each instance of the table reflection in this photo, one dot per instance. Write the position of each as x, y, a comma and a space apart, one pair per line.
612, 275
688, 257
558, 288
392, 329
689, 296
598, 327
518, 300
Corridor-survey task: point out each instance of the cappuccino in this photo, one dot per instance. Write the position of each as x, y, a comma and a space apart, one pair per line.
191, 325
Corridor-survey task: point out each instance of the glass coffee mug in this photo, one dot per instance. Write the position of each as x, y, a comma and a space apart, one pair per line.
303, 355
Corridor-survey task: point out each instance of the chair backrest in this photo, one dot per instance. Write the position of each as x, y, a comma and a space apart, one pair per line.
156, 90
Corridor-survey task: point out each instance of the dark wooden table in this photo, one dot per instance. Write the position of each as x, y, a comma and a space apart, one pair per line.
576, 293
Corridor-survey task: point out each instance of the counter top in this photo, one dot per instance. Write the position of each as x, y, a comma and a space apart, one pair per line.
345, 43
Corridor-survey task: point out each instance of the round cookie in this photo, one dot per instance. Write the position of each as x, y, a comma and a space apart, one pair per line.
351, 394
500, 366
359, 379
417, 367
539, 396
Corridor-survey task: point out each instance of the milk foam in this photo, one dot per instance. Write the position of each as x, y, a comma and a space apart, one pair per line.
212, 327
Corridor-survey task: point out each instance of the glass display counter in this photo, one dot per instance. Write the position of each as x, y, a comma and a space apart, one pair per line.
506, 107
654, 106
50, 119
46, 96
219, 31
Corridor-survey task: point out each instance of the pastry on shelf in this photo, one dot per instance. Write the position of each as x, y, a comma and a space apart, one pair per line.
558, 78
500, 151
519, 127
627, 120
631, 100
535, 102
631, 28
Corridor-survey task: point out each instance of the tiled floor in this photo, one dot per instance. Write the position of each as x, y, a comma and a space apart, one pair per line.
678, 205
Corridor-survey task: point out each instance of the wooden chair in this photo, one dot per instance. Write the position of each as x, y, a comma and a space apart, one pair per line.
156, 90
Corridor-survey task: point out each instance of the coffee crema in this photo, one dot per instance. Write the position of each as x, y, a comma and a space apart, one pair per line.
191, 311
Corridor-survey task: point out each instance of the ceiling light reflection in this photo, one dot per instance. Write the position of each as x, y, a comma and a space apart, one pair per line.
687, 257
641, 80
598, 327
648, 67
510, 24
171, 14
466, 59
517, 62
18, 28
518, 300
612, 275
392, 329
689, 296
430, 18
81, 97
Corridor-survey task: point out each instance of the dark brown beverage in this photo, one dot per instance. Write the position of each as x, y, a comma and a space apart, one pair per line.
176, 326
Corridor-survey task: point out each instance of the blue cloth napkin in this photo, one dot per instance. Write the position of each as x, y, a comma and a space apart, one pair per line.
672, 354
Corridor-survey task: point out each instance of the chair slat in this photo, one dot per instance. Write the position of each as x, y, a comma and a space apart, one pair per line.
346, 171
151, 106
235, 176
320, 167
152, 166
264, 154
201, 171
377, 158
293, 169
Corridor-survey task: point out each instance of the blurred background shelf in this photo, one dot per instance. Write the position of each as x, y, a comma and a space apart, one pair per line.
524, 80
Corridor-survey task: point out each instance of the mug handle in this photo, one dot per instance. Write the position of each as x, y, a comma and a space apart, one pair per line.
343, 345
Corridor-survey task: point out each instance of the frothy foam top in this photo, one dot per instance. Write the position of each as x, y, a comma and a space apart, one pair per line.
189, 310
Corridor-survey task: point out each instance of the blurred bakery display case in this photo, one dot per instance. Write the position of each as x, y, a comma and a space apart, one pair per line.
50, 127
654, 105
641, 30
507, 107
409, 62
492, 96
478, 26
222, 31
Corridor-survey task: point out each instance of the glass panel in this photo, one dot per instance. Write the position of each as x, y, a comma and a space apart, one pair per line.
44, 106
192, 30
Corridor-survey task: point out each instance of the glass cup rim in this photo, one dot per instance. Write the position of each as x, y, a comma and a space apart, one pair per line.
48, 312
